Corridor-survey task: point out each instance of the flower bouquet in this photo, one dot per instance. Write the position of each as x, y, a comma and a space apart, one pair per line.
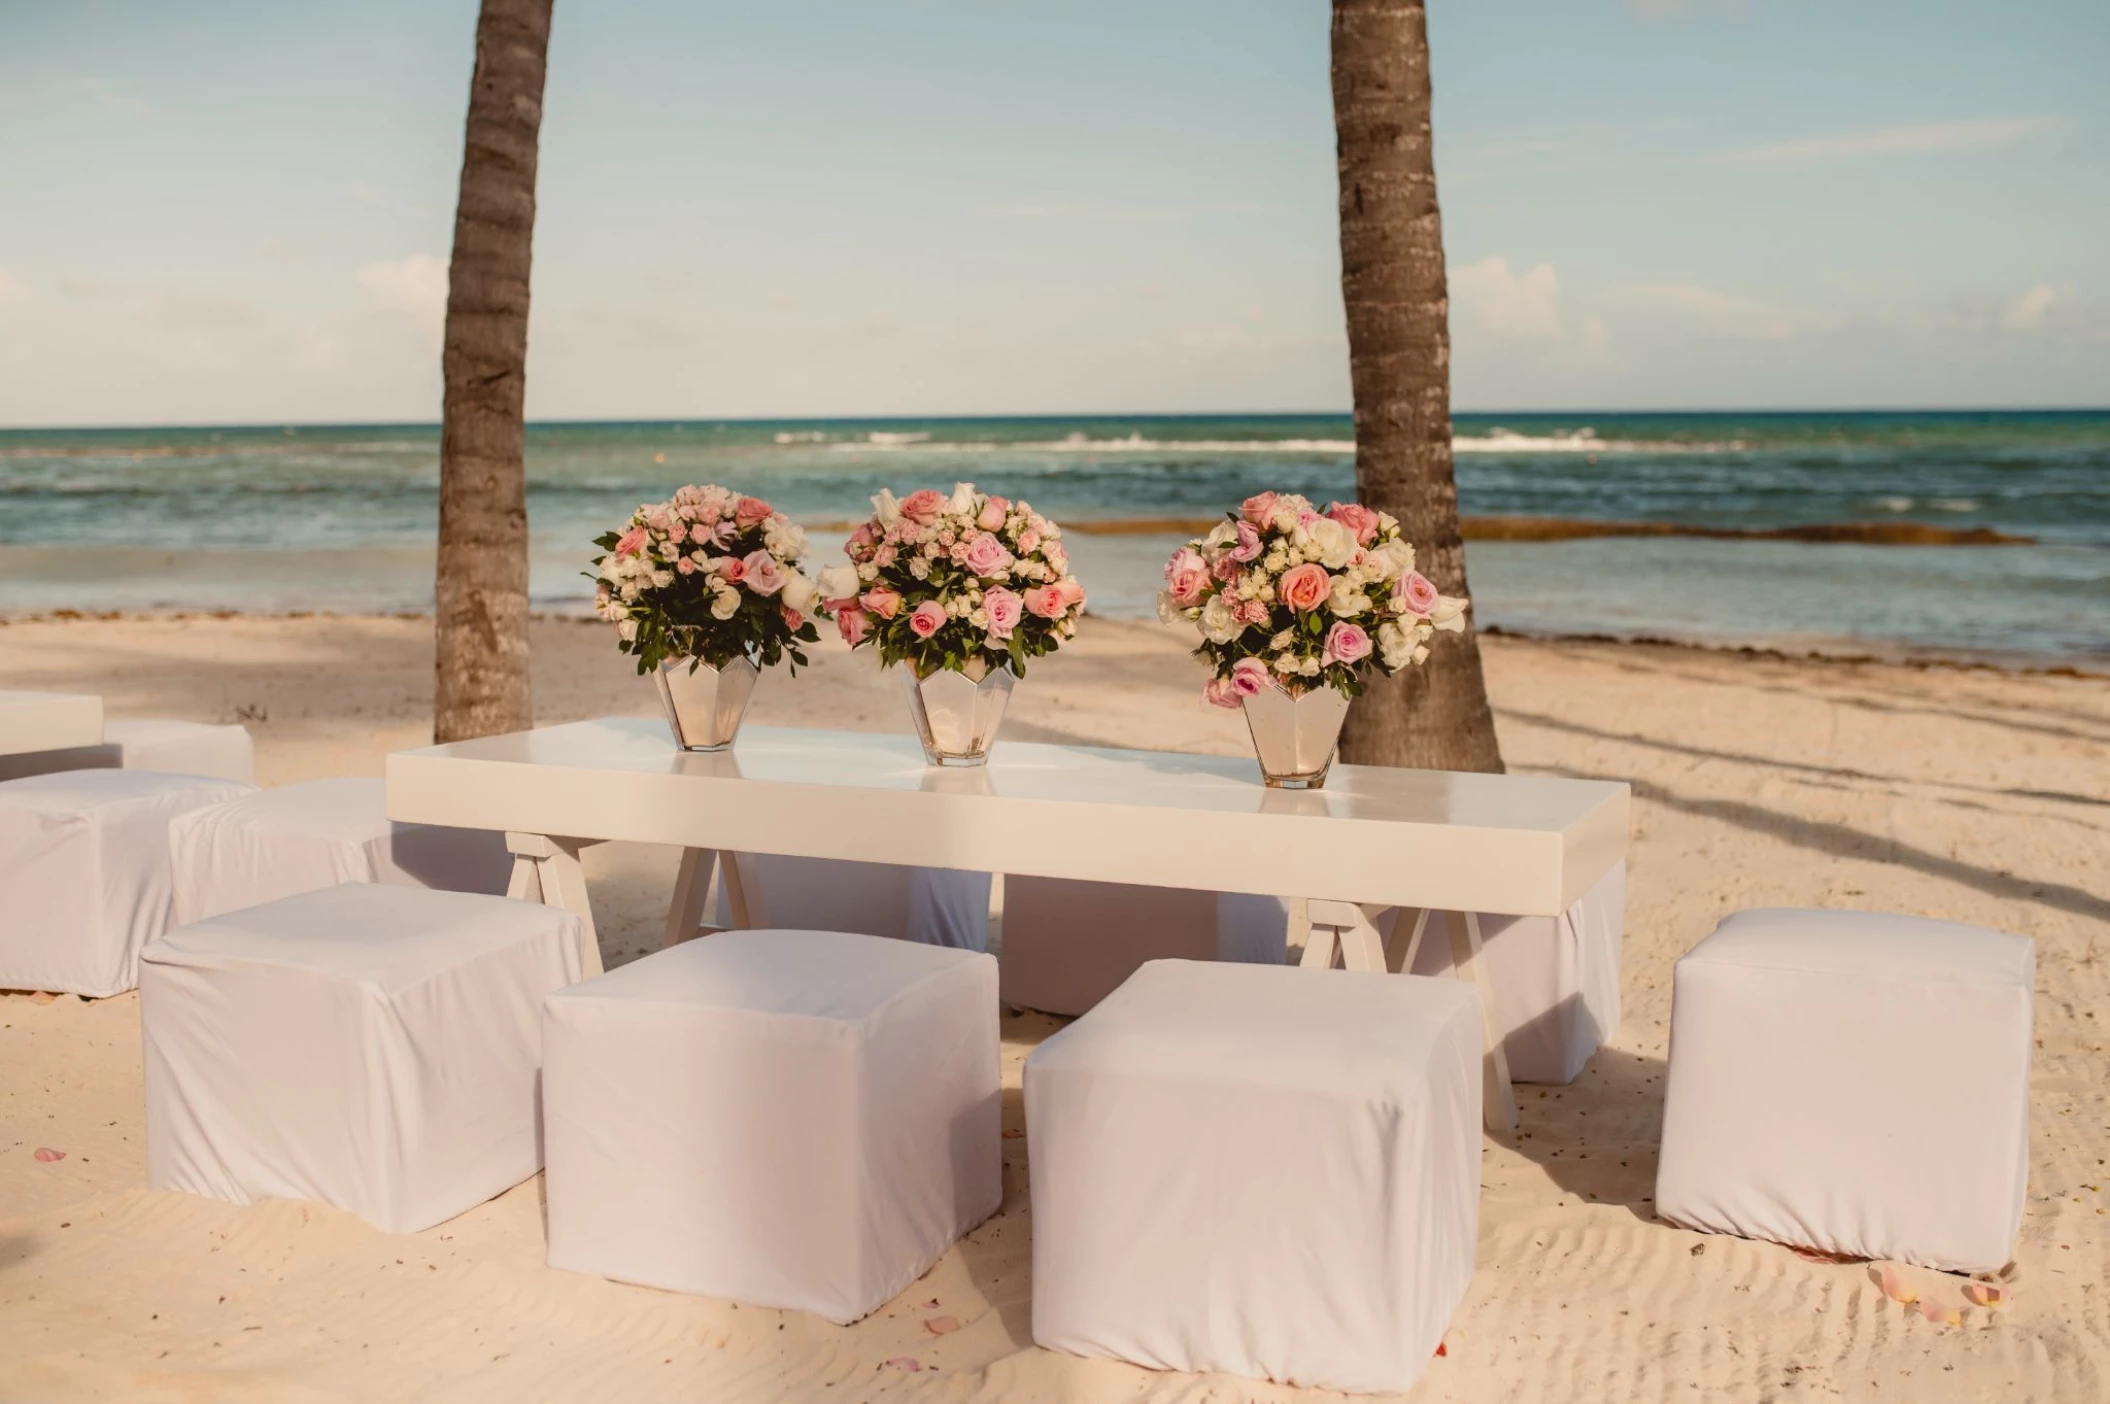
963, 590
705, 591
1294, 606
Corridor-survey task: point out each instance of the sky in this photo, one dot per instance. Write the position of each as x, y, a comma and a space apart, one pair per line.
241, 213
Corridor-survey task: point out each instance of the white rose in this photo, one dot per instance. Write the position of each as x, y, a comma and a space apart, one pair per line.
1223, 535
885, 507
1309, 667
1449, 614
1219, 622
866, 572
661, 579
1168, 612
725, 602
799, 592
628, 629
919, 566
840, 582
1285, 663
1345, 600
1393, 559
962, 501
1333, 543
1395, 647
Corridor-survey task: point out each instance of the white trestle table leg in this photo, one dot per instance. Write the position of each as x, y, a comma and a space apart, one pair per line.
559, 881
743, 891
1363, 932
692, 895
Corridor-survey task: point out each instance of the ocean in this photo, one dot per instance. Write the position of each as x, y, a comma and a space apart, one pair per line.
342, 517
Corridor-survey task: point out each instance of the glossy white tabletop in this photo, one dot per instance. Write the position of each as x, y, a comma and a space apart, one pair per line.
1493, 843
48, 721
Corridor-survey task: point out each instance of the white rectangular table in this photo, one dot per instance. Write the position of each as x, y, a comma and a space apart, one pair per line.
1374, 840
48, 721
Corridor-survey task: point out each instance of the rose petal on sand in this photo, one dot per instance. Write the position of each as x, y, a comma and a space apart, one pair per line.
1935, 1311
907, 1364
942, 1325
42, 997
1894, 1286
1984, 1294
47, 1154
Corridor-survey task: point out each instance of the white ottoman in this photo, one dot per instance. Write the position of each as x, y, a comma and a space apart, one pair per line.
1851, 1082
937, 906
376, 1048
171, 747
1070, 944
84, 873
801, 1119
298, 838
1556, 979
1260, 1170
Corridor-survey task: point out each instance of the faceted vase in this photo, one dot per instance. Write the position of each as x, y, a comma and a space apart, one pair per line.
1295, 735
705, 704
957, 714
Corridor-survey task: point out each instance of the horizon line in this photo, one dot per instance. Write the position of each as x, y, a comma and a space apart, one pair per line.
1019, 416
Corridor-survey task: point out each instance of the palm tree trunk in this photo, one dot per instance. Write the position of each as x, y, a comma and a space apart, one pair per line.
1399, 354
481, 654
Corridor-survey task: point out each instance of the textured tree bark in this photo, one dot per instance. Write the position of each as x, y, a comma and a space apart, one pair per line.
481, 636
1399, 350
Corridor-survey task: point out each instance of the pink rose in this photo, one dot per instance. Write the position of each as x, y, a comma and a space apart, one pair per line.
1003, 608
1357, 518
1058, 559
685, 566
1346, 643
1248, 676
1028, 542
993, 513
1258, 508
923, 506
733, 569
1046, 601
881, 601
853, 624
1416, 591
752, 512
632, 542
1218, 692
699, 534
1252, 612
1227, 568
1248, 547
763, 575
1304, 588
861, 540
1072, 592
928, 617
886, 556
1187, 577
987, 557
792, 617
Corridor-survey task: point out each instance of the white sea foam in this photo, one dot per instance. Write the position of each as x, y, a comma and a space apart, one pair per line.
1954, 504
1494, 441
807, 436
1893, 504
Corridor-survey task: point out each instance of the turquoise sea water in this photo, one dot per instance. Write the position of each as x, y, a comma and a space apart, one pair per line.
343, 517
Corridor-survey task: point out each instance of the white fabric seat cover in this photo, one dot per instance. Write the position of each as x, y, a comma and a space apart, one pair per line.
936, 906
1852, 1082
171, 747
1556, 979
299, 838
1259, 1170
375, 1048
84, 873
1069, 944
802, 1119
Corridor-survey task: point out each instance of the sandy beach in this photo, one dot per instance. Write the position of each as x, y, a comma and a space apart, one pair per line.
1975, 795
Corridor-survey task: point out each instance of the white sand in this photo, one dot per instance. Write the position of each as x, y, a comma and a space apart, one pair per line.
1976, 796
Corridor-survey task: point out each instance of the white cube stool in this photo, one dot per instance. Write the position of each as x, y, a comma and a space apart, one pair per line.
376, 1048
1069, 944
84, 873
937, 906
171, 747
298, 838
1556, 979
1851, 1082
801, 1119
1260, 1170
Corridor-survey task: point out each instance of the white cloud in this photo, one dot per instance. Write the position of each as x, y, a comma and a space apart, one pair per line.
1720, 314
2028, 310
1519, 306
1985, 134
413, 286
